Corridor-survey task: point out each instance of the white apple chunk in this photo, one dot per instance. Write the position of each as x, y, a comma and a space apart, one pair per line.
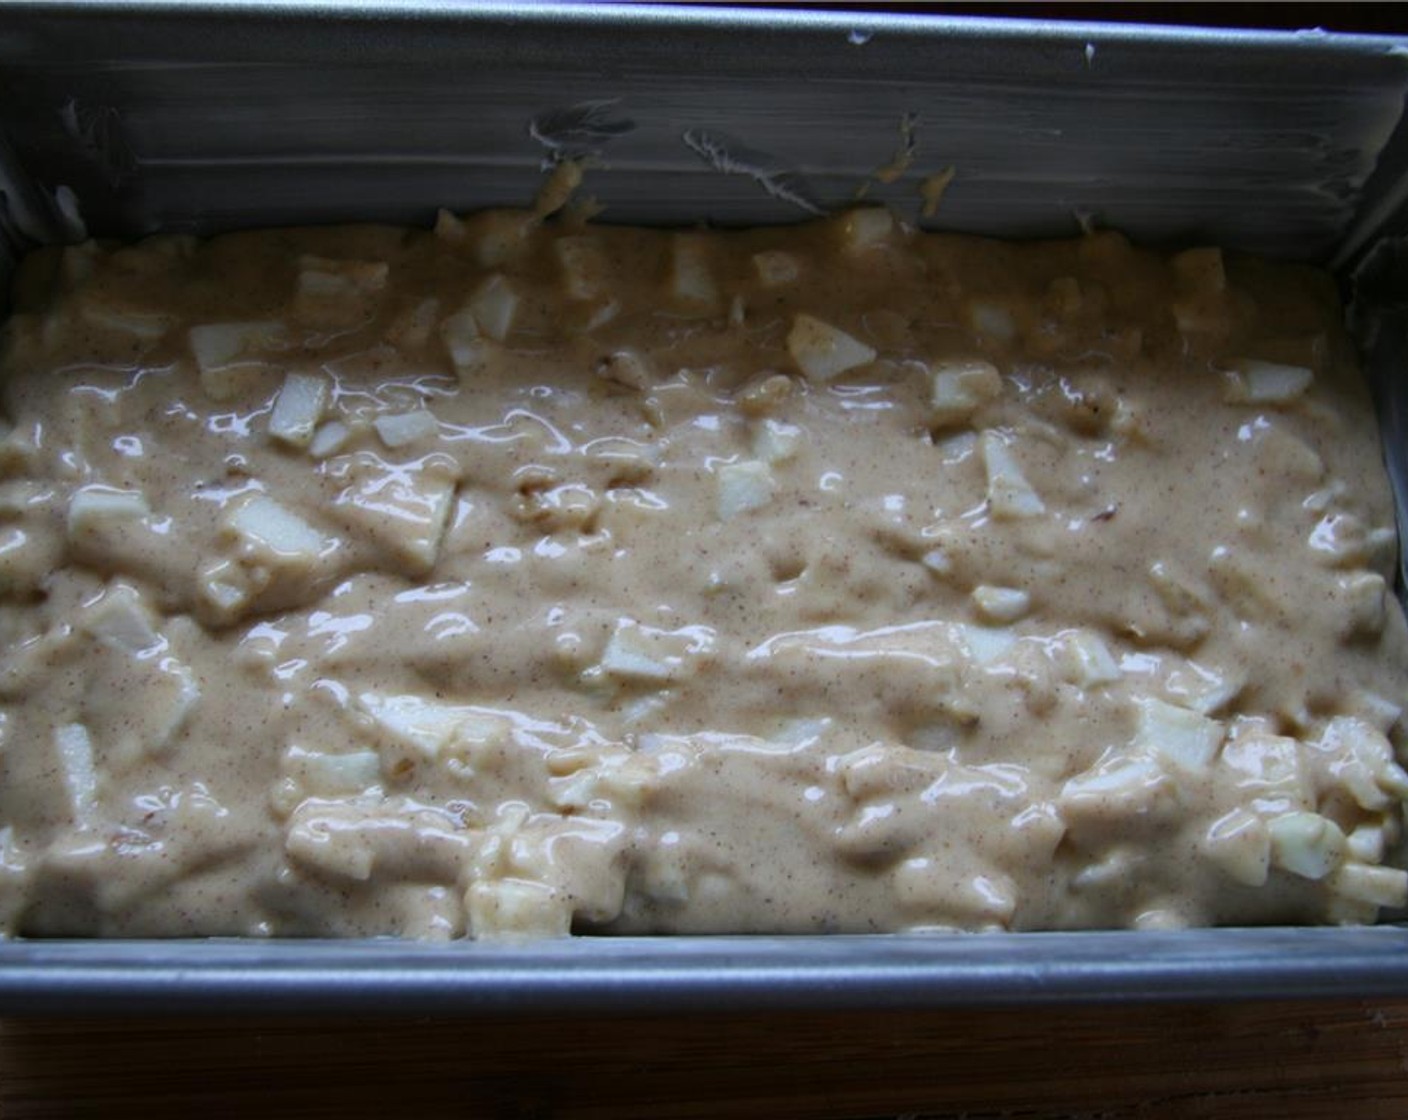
986, 645
584, 266
343, 853
1378, 886
508, 908
1306, 844
775, 441
95, 508
327, 774
1001, 604
428, 726
321, 278
1366, 843
217, 345
692, 282
1114, 789
329, 439
74, 747
466, 348
1009, 493
274, 530
992, 320
1085, 660
401, 512
775, 268
646, 654
1185, 738
298, 408
961, 388
401, 429
145, 326
1252, 381
866, 227
227, 353
744, 486
494, 304
824, 352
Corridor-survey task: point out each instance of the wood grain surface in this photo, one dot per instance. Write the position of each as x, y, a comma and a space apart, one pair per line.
1337, 1059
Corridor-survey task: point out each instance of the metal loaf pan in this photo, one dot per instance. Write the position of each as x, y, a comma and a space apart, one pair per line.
117, 119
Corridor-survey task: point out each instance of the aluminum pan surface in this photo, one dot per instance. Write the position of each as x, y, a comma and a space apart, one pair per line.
210, 117
679, 974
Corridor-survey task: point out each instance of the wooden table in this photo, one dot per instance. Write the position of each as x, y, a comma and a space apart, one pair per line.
1329, 1059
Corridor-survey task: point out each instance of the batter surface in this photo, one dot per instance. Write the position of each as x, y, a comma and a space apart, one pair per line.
528, 576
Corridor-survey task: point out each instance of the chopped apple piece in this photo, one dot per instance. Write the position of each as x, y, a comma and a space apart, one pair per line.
448, 227
776, 442
691, 274
775, 268
327, 774
961, 388
867, 227
1183, 737
401, 429
824, 352
121, 620
646, 654
226, 588
273, 529
321, 278
428, 726
1009, 492
146, 326
1001, 604
494, 304
1252, 381
139, 695
1086, 660
1379, 886
1114, 788
298, 408
986, 645
627, 368
1363, 762
1366, 843
216, 345
585, 268
499, 235
765, 395
461, 334
328, 440
1306, 844
744, 486
80, 776
94, 508
228, 353
517, 908
1269, 767
402, 511
344, 853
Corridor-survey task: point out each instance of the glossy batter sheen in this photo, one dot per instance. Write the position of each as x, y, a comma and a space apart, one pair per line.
526, 576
